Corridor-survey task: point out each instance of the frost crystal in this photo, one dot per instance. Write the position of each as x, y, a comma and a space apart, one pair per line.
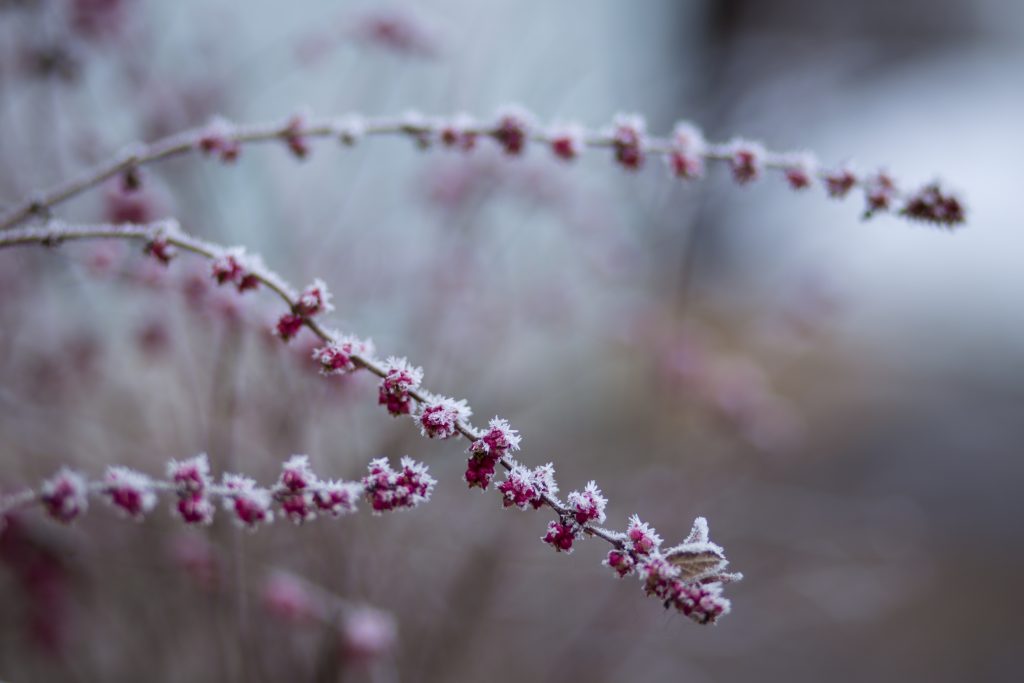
589, 505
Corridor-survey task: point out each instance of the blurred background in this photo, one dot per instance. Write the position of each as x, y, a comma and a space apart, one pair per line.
844, 400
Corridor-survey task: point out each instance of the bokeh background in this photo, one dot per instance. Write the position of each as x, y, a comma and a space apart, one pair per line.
843, 400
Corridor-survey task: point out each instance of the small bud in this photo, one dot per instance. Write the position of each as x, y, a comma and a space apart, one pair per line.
130, 491
839, 182
335, 358
589, 505
250, 505
560, 536
64, 496
566, 141
800, 170
932, 205
628, 137
687, 156
746, 160
441, 416
314, 300
512, 129
401, 378
288, 325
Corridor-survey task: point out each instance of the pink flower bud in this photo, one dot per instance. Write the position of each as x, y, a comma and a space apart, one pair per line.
64, 496
628, 138
932, 205
840, 182
160, 249
589, 505
642, 537
337, 497
235, 266
294, 138
218, 138
701, 602
458, 133
130, 491
880, 192
288, 325
687, 156
621, 561
190, 476
560, 536
441, 416
194, 508
387, 489
800, 170
335, 358
401, 378
566, 141
250, 505
314, 300
512, 130
746, 160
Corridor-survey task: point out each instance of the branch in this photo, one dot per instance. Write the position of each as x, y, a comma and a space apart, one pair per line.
687, 577
685, 152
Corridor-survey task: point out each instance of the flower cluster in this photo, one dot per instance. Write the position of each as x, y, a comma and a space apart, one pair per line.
441, 416
388, 489
687, 577
299, 494
629, 138
400, 378
486, 451
234, 266
525, 487
313, 301
336, 357
582, 508
512, 129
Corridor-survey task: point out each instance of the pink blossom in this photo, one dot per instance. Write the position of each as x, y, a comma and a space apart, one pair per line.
314, 300
933, 205
387, 489
642, 538
560, 536
628, 138
130, 491
192, 475
523, 487
292, 489
621, 561
194, 508
235, 266
441, 416
250, 504
512, 129
587, 506
486, 451
337, 497
566, 141
701, 602
839, 182
880, 192
335, 358
160, 249
799, 170
746, 160
687, 156
399, 380
64, 496
288, 325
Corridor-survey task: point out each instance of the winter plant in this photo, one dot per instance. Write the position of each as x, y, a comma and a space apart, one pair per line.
687, 575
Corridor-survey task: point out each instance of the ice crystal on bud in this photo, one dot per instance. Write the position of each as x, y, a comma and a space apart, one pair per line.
799, 170
249, 503
64, 495
314, 300
642, 538
702, 603
388, 489
337, 497
629, 136
399, 380
687, 156
288, 325
236, 267
560, 536
523, 487
160, 249
441, 416
931, 204
566, 141
194, 508
839, 182
335, 358
190, 476
512, 128
130, 491
486, 451
218, 138
746, 159
658, 576
879, 191
589, 505
621, 561
292, 489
